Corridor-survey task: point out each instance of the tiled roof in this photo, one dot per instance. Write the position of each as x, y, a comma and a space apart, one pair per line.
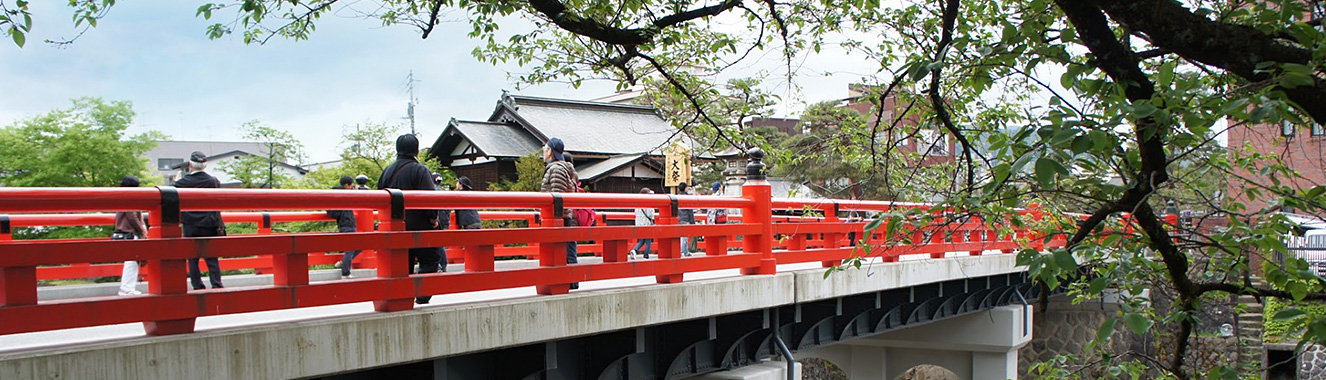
591, 127
593, 171
498, 139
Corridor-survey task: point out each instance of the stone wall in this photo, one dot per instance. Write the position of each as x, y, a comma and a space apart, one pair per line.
1065, 328
1312, 363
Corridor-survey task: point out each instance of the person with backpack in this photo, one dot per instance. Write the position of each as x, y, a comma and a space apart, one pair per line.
643, 217
129, 225
560, 177
406, 173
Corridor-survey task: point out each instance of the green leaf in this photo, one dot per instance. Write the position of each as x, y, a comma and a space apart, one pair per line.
1106, 329
1021, 163
19, 38
1143, 109
873, 225
1098, 285
1137, 322
1045, 171
1288, 315
1082, 144
1064, 259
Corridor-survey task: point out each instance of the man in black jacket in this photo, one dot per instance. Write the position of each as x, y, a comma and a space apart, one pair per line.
201, 223
408, 174
345, 222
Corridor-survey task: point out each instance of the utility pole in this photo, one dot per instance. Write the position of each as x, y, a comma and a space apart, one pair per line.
409, 87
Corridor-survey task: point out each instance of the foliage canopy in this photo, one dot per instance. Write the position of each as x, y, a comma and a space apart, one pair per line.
1141, 87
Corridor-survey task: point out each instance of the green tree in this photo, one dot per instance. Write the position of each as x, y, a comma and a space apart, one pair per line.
529, 175
720, 120
1141, 83
83, 145
258, 171
366, 149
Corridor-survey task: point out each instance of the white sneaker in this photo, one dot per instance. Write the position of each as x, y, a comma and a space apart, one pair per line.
348, 276
631, 255
337, 265
131, 293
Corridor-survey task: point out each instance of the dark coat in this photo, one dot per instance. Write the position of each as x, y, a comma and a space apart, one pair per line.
345, 219
413, 176
199, 219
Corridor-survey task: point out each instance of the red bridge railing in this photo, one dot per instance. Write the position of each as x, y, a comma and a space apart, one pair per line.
171, 308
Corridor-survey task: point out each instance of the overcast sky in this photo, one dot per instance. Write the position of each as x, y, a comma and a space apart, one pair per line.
155, 54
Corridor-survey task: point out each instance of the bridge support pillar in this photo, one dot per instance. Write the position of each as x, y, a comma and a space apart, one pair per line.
978, 346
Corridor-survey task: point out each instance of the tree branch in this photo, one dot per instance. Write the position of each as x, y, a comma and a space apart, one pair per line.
557, 12
937, 101
1237, 49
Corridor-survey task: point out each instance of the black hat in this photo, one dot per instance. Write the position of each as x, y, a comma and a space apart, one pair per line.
407, 145
346, 180
129, 181
465, 183
557, 147
198, 156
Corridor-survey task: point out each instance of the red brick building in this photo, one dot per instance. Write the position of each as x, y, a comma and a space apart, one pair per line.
1300, 148
617, 148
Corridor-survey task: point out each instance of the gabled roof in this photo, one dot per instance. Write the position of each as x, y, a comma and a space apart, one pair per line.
588, 127
593, 171
490, 139
212, 160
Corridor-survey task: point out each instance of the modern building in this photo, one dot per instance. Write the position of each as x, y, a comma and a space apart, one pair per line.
168, 158
617, 148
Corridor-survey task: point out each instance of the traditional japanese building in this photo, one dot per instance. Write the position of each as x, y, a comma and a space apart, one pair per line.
617, 148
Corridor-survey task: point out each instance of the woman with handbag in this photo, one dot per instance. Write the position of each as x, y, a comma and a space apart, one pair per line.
129, 225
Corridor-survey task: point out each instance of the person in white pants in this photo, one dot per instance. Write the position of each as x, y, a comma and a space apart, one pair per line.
129, 225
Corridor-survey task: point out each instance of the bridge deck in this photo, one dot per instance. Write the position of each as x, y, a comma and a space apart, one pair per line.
333, 339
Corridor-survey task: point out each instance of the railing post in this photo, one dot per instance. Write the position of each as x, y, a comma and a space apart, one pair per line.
832, 239
394, 262
364, 222
268, 261
552, 254
760, 213
668, 247
166, 277
288, 269
18, 285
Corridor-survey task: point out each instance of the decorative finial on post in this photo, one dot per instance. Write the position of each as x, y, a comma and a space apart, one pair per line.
755, 169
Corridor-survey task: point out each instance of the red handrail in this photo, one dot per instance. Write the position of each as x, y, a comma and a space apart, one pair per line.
170, 308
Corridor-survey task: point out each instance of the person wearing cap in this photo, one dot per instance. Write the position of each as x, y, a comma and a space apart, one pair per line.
467, 219
560, 177
201, 223
129, 225
362, 181
345, 222
406, 173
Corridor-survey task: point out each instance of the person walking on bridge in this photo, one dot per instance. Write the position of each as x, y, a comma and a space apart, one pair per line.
560, 177
467, 219
129, 225
345, 222
643, 217
408, 174
201, 223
